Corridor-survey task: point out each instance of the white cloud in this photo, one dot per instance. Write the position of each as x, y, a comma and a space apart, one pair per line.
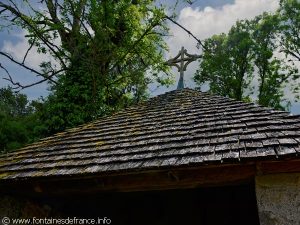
205, 22
18, 50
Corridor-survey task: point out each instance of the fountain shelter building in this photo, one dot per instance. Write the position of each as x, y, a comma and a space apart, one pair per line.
184, 157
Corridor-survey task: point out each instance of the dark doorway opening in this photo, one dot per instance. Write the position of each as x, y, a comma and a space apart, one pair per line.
227, 205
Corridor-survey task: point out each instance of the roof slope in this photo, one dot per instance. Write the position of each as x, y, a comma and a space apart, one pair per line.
178, 128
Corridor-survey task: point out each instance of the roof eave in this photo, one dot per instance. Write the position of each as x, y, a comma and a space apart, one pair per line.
152, 179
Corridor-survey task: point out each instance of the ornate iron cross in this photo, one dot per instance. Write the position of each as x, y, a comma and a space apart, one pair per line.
183, 63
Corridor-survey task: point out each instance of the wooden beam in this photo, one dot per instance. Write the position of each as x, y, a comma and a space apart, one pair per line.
143, 181
271, 167
169, 178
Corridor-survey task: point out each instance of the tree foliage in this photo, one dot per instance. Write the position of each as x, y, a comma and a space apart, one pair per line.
101, 51
103, 54
225, 63
19, 123
273, 73
247, 58
289, 13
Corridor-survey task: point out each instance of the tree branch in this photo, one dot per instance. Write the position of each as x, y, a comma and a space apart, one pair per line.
287, 51
186, 30
20, 86
30, 69
30, 47
77, 14
15, 11
134, 44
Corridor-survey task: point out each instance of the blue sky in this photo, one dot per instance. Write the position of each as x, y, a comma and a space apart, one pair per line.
204, 18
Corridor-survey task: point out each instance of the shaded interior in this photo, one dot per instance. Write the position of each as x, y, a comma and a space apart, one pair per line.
226, 205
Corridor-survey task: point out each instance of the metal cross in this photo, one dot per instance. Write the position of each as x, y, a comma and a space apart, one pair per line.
183, 63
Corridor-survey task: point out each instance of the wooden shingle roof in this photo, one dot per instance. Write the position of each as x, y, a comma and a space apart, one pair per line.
177, 129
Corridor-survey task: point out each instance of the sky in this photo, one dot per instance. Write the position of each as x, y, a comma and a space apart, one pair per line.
203, 18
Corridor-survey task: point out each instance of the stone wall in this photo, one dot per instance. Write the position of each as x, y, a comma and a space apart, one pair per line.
278, 199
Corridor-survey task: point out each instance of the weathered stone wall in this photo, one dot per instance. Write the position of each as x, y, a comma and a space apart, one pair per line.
278, 199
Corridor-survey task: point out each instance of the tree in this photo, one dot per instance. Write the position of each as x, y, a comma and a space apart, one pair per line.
225, 63
101, 50
13, 104
18, 122
214, 66
273, 73
232, 63
289, 13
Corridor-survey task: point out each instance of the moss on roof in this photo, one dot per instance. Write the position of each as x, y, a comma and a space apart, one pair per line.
179, 128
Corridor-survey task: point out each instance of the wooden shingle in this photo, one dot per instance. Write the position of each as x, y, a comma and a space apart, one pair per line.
177, 129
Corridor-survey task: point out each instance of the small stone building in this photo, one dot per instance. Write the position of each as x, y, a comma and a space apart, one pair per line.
184, 157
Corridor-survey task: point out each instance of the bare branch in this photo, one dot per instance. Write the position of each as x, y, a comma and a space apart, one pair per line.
86, 30
83, 25
26, 54
28, 68
77, 14
20, 86
2, 67
186, 30
10, 78
2, 11
15, 11
292, 54
53, 11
